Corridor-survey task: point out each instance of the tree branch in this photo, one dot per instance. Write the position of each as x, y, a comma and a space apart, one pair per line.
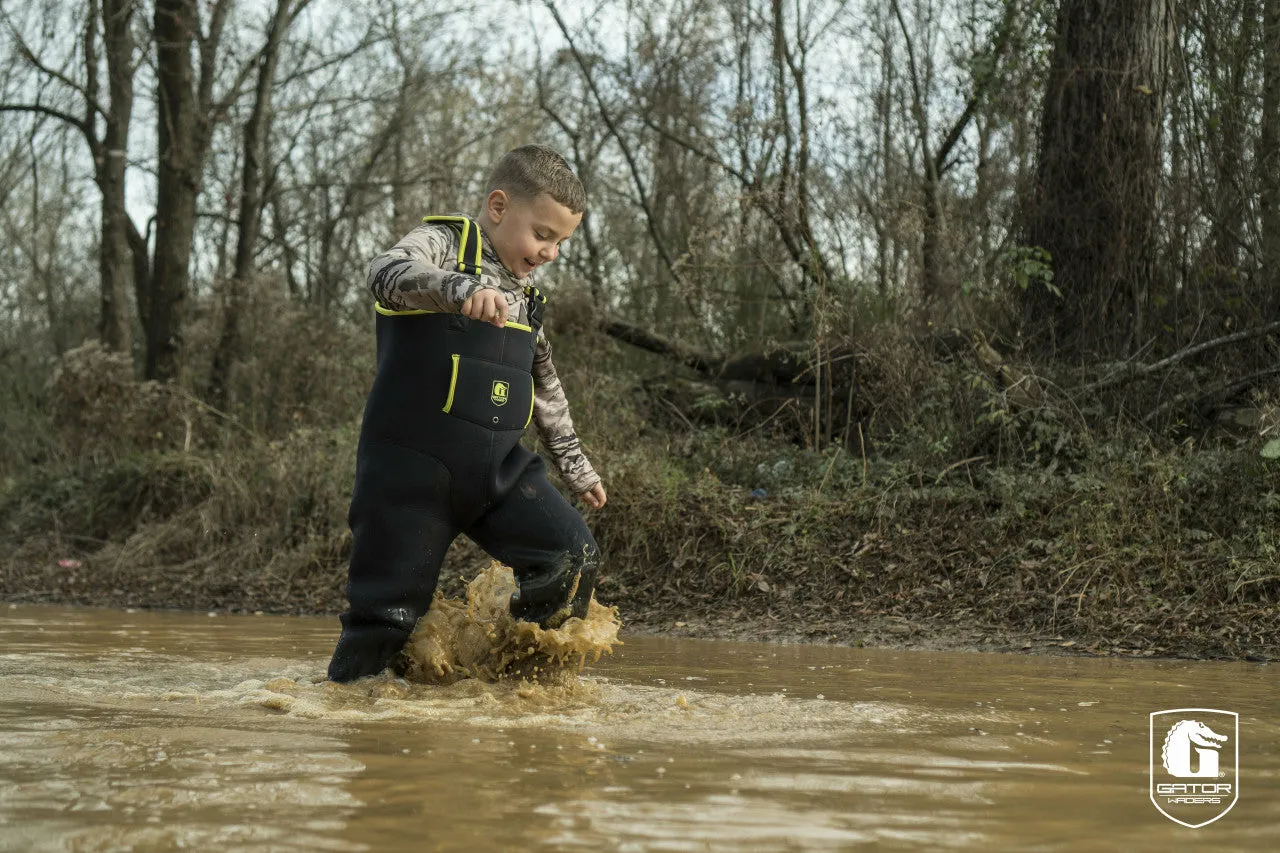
627, 155
1224, 388
34, 61
646, 340
1131, 372
917, 99
78, 124
979, 90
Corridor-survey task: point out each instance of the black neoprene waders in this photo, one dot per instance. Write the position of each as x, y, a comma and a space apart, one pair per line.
439, 455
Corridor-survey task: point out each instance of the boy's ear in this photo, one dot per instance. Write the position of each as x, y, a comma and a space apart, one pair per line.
497, 204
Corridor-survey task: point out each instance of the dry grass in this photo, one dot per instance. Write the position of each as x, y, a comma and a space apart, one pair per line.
972, 513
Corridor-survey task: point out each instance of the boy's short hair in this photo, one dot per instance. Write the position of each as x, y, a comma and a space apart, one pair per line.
531, 170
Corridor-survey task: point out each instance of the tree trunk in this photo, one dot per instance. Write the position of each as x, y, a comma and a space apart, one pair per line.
931, 236
793, 185
178, 184
884, 112
1268, 156
186, 115
257, 131
115, 260
1232, 60
1093, 204
140, 250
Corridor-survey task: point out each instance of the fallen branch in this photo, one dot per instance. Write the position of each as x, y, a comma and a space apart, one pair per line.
1226, 388
673, 407
646, 340
1131, 372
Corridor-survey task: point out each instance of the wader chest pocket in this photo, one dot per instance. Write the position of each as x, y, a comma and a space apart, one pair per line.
490, 394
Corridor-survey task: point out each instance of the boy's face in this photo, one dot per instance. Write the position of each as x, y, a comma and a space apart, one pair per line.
527, 233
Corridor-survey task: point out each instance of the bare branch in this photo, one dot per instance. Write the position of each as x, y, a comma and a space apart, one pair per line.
1131, 372
999, 42
34, 61
917, 98
77, 123
1223, 389
641, 191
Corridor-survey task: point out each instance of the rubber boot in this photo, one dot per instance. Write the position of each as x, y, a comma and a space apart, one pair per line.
551, 597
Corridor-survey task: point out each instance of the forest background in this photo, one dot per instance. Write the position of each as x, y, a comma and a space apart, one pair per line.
936, 322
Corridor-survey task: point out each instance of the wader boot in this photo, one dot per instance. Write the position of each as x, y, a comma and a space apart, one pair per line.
440, 454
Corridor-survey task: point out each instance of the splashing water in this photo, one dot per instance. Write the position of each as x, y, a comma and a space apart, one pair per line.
478, 638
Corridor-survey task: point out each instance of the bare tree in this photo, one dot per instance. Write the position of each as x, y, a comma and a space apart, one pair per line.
183, 129
257, 131
115, 257
937, 160
643, 191
119, 260
1229, 47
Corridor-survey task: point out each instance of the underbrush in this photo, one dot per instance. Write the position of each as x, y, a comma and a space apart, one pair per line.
969, 499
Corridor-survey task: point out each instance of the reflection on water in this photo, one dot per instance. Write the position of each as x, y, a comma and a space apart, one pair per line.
159, 731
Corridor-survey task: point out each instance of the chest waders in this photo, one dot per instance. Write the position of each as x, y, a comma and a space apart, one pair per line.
439, 455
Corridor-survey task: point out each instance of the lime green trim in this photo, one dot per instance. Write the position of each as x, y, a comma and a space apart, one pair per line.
453, 383
387, 312
532, 392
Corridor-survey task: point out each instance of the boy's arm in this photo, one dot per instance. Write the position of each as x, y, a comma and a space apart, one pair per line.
410, 275
555, 427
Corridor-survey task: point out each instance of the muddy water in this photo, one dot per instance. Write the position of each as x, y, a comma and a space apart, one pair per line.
160, 731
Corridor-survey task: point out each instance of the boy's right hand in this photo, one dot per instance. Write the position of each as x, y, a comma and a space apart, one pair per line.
488, 304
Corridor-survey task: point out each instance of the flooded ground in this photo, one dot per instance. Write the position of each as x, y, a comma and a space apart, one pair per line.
159, 731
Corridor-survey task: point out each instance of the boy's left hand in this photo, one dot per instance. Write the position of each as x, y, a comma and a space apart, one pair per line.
594, 497
487, 304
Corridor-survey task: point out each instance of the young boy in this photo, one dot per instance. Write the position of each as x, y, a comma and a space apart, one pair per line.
463, 367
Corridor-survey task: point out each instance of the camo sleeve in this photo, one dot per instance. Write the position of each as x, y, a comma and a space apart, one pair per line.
555, 427
412, 276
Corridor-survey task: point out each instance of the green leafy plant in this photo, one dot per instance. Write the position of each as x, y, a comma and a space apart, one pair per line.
1030, 265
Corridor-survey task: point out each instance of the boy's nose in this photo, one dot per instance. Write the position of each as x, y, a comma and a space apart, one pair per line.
549, 253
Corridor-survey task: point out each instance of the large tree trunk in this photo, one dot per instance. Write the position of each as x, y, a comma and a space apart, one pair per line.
177, 186
1269, 150
115, 260
1093, 205
256, 133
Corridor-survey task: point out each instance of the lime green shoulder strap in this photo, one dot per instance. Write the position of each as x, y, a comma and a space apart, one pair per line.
469, 240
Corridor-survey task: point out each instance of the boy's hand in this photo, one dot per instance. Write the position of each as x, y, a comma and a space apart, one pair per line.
594, 497
487, 304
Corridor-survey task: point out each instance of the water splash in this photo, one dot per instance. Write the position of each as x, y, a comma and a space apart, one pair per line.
478, 638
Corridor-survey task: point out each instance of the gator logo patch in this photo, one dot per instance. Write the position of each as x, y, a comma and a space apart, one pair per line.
499, 393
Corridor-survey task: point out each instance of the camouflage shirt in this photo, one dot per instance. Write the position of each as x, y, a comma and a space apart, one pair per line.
418, 273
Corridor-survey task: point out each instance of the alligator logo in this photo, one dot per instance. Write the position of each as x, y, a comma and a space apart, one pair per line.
1190, 748
1176, 754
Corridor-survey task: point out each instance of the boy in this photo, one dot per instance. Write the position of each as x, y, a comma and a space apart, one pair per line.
463, 367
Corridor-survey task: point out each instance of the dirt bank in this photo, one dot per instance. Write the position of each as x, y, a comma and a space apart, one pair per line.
756, 619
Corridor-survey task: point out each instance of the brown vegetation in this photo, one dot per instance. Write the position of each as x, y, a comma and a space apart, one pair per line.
968, 517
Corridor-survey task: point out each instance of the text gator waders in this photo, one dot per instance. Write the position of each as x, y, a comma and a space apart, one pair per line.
439, 455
